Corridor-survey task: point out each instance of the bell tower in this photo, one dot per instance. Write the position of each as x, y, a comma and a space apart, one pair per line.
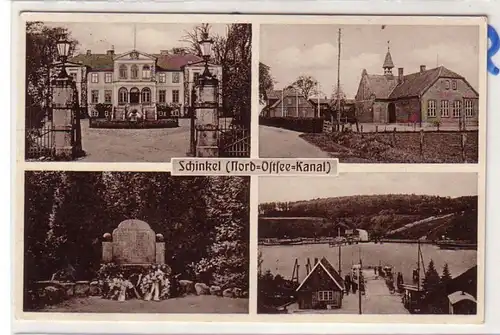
388, 64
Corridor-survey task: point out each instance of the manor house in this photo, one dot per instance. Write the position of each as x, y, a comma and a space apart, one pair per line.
427, 96
138, 81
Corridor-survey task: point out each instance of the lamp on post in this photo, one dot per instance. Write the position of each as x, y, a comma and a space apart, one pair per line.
206, 105
63, 46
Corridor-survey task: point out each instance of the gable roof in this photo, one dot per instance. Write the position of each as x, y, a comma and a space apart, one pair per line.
329, 269
94, 61
417, 83
381, 85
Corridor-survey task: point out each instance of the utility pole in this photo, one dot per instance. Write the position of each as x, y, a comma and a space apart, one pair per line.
418, 266
340, 255
338, 81
359, 283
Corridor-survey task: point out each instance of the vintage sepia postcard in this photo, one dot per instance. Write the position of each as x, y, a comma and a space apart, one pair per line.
372, 93
370, 243
102, 242
138, 91
110, 106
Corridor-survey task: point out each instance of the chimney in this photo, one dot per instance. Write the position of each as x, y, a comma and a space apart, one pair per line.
89, 52
422, 68
400, 75
315, 261
164, 52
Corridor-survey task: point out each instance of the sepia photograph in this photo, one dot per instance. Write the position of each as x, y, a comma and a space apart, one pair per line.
372, 93
369, 243
136, 92
135, 242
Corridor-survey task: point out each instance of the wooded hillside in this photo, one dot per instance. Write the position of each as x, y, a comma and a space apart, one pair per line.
378, 214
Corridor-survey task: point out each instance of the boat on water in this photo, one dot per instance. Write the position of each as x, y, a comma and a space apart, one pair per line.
456, 245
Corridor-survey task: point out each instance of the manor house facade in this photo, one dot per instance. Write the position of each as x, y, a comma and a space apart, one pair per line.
137, 82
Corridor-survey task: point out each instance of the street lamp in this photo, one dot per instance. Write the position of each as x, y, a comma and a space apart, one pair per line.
63, 46
206, 51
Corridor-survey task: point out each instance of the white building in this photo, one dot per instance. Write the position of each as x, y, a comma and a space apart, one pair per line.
138, 82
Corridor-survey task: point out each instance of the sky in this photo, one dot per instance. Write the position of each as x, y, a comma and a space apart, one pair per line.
277, 189
151, 38
294, 50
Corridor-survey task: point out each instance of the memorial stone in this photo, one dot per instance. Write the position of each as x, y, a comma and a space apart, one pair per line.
134, 243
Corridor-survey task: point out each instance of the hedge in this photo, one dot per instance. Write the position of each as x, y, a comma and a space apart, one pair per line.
304, 125
126, 124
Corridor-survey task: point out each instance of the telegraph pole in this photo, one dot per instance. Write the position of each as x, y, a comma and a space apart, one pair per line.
340, 255
338, 81
359, 283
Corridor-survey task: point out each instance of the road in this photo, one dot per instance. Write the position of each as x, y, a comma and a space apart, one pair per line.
283, 143
134, 145
377, 300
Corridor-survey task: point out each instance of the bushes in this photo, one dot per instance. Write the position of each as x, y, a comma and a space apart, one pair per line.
126, 124
304, 125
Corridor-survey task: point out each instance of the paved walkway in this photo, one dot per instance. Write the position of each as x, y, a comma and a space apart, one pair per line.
282, 143
134, 145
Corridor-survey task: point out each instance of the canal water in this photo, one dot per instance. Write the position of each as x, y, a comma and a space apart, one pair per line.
402, 256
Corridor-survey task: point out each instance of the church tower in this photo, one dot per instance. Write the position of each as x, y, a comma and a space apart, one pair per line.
388, 64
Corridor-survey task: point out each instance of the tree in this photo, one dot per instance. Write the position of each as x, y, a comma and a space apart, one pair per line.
446, 276
431, 279
266, 82
306, 85
41, 53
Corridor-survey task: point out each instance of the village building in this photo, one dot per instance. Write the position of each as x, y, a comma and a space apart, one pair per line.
428, 96
322, 288
137, 82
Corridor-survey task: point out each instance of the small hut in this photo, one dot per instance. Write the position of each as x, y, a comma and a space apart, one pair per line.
461, 302
322, 288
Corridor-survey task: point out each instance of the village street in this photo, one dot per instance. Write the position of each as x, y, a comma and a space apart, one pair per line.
283, 143
134, 145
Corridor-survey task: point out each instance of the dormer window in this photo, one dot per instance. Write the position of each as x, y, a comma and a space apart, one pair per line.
123, 72
146, 72
134, 72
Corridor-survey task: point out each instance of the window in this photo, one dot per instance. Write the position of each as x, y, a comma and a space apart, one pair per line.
175, 96
74, 75
447, 84
162, 77
288, 101
146, 72
107, 96
457, 106
122, 96
469, 108
162, 96
134, 72
94, 113
196, 75
176, 77
146, 95
95, 97
431, 108
325, 295
454, 84
108, 77
123, 72
106, 113
94, 77
445, 108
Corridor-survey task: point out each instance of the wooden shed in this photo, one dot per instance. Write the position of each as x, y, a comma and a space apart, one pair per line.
323, 288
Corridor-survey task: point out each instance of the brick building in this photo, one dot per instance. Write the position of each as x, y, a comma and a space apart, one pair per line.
138, 82
288, 103
427, 97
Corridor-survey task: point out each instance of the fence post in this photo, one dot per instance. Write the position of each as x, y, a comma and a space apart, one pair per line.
361, 128
422, 144
463, 142
394, 137
376, 129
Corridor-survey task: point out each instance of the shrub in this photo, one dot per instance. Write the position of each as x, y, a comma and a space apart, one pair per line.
305, 125
126, 124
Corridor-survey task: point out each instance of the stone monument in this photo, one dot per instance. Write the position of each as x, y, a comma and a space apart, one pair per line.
133, 242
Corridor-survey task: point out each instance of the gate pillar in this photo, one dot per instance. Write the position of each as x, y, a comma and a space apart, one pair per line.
207, 116
63, 104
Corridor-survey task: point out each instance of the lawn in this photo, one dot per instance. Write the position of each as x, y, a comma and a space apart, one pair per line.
188, 304
439, 147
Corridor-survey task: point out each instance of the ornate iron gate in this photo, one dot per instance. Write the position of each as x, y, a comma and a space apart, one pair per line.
234, 142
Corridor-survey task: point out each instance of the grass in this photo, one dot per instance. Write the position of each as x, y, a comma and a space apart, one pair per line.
188, 304
439, 147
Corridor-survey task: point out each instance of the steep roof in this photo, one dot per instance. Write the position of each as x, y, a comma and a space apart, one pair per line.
329, 269
416, 83
388, 60
381, 85
170, 62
